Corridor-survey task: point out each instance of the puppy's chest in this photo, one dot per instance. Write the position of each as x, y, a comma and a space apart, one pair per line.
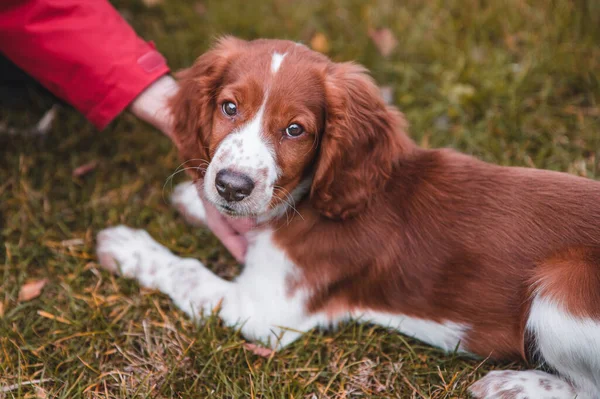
268, 267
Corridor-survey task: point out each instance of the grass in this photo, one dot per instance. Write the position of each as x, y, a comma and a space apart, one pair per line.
513, 82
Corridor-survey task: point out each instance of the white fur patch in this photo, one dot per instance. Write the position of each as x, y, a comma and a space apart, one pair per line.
264, 304
246, 151
447, 336
568, 343
276, 61
530, 384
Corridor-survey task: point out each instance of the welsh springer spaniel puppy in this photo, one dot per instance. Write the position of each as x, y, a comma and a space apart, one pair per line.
355, 221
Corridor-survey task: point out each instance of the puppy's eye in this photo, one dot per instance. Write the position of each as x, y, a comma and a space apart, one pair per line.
229, 108
294, 130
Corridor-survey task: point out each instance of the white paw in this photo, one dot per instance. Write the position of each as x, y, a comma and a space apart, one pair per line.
186, 200
530, 384
130, 252
133, 253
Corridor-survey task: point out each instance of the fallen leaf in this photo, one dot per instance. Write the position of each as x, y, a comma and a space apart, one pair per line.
512, 42
259, 350
384, 40
200, 8
40, 393
1, 309
319, 43
85, 169
31, 290
151, 3
73, 242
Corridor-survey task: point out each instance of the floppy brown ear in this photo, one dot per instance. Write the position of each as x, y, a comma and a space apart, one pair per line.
363, 138
193, 106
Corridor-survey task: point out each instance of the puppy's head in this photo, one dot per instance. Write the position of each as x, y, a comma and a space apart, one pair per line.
265, 122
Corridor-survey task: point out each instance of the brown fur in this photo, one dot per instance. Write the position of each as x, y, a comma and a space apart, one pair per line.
360, 146
572, 277
392, 227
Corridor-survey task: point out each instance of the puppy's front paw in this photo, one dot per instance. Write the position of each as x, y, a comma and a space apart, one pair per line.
127, 251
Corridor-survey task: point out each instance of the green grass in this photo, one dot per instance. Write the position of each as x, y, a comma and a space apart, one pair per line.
513, 82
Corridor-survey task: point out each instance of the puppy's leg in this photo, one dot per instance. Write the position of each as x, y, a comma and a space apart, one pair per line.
135, 254
186, 200
564, 318
568, 343
258, 301
530, 384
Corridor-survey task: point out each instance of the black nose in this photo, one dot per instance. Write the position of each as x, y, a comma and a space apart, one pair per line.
233, 186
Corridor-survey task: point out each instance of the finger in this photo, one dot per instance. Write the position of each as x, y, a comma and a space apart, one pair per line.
241, 225
237, 246
235, 243
222, 227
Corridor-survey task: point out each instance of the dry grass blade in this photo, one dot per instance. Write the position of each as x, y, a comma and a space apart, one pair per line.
384, 40
14, 387
85, 169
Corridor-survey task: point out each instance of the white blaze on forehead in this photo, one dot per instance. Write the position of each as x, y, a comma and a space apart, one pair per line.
254, 127
276, 62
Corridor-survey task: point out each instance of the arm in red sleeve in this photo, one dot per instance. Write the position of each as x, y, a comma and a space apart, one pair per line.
81, 50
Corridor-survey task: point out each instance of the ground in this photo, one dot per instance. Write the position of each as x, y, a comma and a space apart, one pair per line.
513, 82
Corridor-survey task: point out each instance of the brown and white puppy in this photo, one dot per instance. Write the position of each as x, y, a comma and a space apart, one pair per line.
357, 221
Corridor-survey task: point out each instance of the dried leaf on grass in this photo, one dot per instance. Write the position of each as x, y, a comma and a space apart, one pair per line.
40, 393
319, 43
85, 169
259, 350
151, 3
384, 40
200, 8
31, 290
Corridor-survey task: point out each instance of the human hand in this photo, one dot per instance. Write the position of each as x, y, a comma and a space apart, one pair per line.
152, 104
229, 230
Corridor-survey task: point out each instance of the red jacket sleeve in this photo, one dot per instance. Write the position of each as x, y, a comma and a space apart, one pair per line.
81, 50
